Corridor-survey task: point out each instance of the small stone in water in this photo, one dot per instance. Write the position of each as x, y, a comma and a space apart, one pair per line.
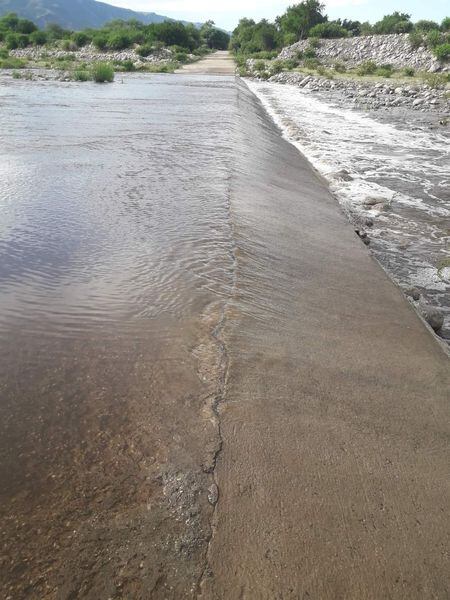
413, 293
433, 317
213, 494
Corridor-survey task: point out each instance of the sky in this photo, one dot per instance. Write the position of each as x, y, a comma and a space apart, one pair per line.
226, 13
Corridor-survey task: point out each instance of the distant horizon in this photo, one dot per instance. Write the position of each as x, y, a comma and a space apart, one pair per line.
227, 15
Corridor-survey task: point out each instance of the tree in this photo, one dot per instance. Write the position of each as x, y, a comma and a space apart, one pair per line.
214, 37
300, 18
250, 37
425, 25
9, 22
445, 25
330, 29
395, 23
172, 34
38, 38
353, 27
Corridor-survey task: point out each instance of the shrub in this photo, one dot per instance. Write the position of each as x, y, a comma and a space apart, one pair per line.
409, 72
424, 25
442, 52
144, 50
339, 67
11, 41
314, 42
445, 25
309, 52
68, 46
102, 73
415, 39
260, 66
394, 23
181, 57
383, 72
276, 67
12, 62
119, 40
80, 39
3, 53
242, 72
403, 27
434, 38
25, 26
290, 63
311, 63
330, 29
17, 40
38, 38
436, 80
100, 41
128, 65
81, 75
368, 67
67, 58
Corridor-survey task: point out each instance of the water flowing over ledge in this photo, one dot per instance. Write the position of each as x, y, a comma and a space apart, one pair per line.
392, 182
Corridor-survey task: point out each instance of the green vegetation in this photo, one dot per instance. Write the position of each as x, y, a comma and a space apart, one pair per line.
442, 51
331, 29
114, 36
11, 62
308, 20
102, 73
81, 75
368, 67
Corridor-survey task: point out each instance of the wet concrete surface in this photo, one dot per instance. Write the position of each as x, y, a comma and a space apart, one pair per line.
200, 313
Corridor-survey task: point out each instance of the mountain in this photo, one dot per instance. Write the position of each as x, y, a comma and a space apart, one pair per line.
74, 14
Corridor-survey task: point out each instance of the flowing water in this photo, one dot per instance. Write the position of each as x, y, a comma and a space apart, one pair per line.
116, 260
394, 173
151, 235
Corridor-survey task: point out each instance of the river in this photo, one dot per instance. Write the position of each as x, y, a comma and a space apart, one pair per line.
208, 386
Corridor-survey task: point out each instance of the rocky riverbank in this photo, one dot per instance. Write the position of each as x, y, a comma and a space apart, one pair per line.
394, 49
90, 54
372, 94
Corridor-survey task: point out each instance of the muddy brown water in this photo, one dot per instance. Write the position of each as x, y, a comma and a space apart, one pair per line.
177, 311
115, 267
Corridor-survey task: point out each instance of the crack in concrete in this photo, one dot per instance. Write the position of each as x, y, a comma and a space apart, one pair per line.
219, 397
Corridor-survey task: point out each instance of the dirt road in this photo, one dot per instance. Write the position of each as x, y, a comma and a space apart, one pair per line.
219, 63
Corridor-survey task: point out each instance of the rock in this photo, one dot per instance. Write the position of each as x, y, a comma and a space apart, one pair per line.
433, 317
374, 201
344, 175
213, 494
368, 222
413, 293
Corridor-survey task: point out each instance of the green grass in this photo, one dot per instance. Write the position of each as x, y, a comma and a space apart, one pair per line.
12, 63
102, 73
81, 75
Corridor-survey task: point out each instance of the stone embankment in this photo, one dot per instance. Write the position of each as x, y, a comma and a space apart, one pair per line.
394, 49
370, 94
91, 54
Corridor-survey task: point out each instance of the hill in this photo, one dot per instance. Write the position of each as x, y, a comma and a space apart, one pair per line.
74, 14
